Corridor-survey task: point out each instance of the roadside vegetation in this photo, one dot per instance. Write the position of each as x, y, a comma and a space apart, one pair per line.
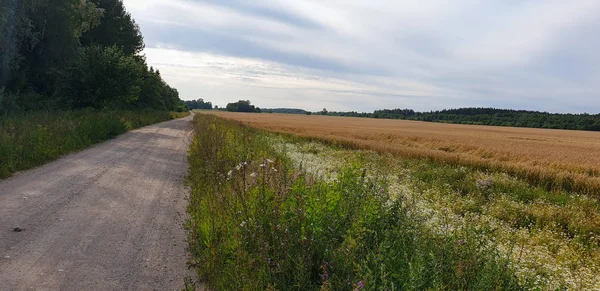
549, 236
262, 219
32, 139
551, 159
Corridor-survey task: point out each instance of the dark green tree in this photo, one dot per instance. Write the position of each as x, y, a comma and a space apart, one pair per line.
242, 106
103, 78
117, 28
67, 54
39, 39
199, 104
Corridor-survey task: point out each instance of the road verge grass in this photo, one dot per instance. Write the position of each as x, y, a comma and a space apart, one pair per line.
32, 139
258, 222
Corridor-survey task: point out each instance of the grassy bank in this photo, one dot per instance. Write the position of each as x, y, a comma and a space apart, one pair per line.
32, 139
258, 221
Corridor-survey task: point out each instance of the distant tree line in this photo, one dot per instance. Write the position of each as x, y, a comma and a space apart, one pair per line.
199, 104
285, 110
487, 116
70, 54
242, 106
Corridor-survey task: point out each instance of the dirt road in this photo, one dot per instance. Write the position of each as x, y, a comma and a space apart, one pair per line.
107, 218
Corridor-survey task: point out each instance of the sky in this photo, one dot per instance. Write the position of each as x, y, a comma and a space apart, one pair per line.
348, 55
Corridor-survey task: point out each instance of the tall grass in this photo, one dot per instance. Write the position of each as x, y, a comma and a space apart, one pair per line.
258, 223
32, 139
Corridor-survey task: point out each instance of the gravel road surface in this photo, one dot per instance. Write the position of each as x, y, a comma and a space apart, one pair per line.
106, 218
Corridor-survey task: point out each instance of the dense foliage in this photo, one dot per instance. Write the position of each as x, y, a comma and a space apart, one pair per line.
199, 104
242, 106
488, 116
70, 54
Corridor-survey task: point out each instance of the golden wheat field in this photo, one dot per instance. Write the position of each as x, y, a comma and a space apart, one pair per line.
555, 159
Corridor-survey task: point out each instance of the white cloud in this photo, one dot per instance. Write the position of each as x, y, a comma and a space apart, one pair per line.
419, 54
527, 32
205, 75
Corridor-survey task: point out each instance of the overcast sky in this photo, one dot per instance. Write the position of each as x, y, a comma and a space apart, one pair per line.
370, 54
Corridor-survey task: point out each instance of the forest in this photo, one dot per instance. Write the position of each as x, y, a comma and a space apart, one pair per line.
487, 116
74, 54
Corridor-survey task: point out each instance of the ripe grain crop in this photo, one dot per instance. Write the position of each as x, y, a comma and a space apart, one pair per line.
554, 159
